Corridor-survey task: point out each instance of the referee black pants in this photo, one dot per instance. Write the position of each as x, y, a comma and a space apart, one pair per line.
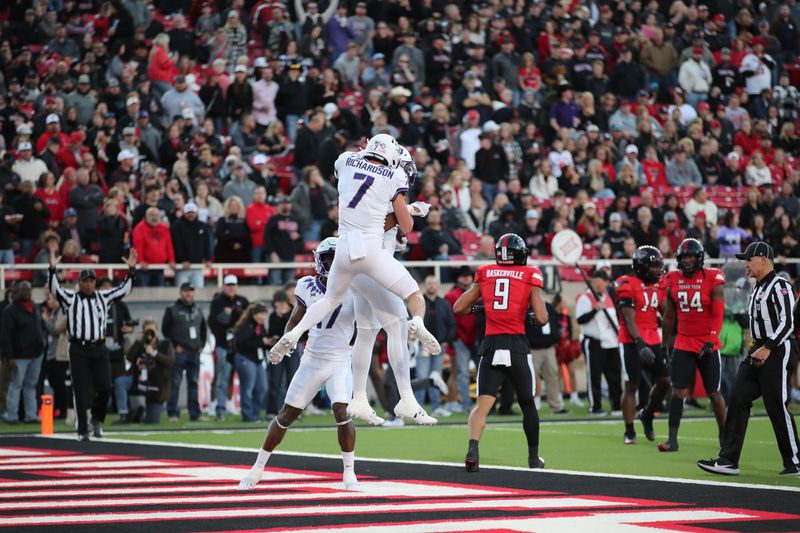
603, 362
772, 382
91, 373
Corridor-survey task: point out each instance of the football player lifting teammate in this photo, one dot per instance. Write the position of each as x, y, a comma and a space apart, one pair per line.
508, 289
695, 298
640, 297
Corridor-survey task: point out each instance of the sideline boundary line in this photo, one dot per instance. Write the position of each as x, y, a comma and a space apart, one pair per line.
446, 464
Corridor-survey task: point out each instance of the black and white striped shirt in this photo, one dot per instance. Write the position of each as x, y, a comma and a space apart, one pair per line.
87, 315
772, 311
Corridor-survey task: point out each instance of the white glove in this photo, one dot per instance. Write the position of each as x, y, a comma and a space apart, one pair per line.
275, 359
419, 209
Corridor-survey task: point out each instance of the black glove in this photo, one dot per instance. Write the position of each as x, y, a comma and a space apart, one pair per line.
476, 308
530, 318
646, 354
707, 349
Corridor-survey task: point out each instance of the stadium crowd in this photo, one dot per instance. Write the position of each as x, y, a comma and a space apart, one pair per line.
206, 131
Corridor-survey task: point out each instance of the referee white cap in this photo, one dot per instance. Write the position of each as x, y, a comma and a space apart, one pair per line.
757, 249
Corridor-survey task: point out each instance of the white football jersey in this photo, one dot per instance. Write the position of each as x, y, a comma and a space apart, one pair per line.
330, 339
365, 191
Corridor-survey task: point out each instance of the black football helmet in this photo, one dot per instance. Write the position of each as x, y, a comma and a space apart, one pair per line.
511, 250
690, 248
645, 258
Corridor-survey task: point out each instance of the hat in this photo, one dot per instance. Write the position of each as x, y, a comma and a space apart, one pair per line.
258, 159
464, 270
757, 249
233, 13
378, 56
70, 212
697, 50
601, 273
84, 78
191, 207
703, 106
51, 118
180, 78
470, 75
260, 62
446, 188
128, 131
330, 109
589, 205
187, 286
416, 107
607, 136
670, 215
532, 213
125, 154
25, 146
295, 66
490, 126
230, 279
615, 217
76, 136
87, 273
24, 129
240, 68
719, 17
259, 308
399, 91
110, 114
592, 128
473, 114
605, 8
113, 82
631, 149
702, 7
144, 113
733, 155
715, 124
187, 113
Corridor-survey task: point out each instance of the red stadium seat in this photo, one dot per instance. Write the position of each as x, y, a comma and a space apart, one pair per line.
309, 271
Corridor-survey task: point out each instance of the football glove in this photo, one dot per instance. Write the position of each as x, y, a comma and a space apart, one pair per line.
419, 209
476, 308
275, 359
646, 354
707, 349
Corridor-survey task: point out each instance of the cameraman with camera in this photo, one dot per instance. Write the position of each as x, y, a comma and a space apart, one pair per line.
151, 359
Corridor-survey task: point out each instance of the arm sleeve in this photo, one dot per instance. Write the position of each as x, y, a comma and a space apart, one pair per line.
166, 324
717, 316
117, 293
63, 296
783, 298
583, 310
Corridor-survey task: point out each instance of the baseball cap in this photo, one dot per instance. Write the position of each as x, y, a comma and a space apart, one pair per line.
589, 205
187, 286
416, 107
259, 159
757, 249
473, 114
230, 279
615, 217
733, 155
592, 127
719, 17
132, 100
187, 113
464, 270
24, 129
259, 308
330, 108
490, 126
631, 149
602, 274
670, 215
725, 50
240, 68
84, 78
51, 118
715, 124
87, 273
125, 154
191, 207
113, 82
531, 213
378, 56
25, 146
70, 212
130, 130
260, 62
144, 113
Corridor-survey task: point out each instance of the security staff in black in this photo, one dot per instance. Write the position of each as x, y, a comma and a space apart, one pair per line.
766, 370
87, 314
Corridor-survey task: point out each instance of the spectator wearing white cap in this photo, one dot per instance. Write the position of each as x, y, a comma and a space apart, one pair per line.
52, 129
192, 245
28, 167
632, 159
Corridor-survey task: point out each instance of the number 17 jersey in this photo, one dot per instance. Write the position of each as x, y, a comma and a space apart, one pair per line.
366, 191
506, 292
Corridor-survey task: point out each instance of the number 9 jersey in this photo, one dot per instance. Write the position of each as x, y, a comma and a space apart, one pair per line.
645, 299
506, 293
692, 300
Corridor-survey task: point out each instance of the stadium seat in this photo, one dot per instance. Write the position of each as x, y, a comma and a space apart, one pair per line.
304, 258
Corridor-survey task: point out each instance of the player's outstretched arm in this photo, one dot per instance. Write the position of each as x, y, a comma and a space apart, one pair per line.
401, 213
463, 305
297, 315
668, 322
540, 316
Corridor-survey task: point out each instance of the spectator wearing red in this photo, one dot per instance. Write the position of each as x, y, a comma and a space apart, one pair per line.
161, 68
654, 170
464, 343
71, 153
258, 214
153, 241
52, 129
52, 198
747, 138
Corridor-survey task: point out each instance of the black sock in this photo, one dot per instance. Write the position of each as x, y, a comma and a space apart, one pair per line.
647, 412
473, 444
530, 423
629, 429
533, 452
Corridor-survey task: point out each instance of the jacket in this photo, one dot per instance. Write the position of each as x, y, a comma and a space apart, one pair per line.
221, 322
278, 239
111, 234
185, 326
191, 241
165, 358
257, 216
250, 341
465, 324
154, 243
439, 319
23, 332
86, 201
301, 201
161, 67
547, 336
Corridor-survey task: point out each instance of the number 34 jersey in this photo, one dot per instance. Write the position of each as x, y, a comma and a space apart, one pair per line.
692, 300
645, 300
330, 339
366, 191
506, 292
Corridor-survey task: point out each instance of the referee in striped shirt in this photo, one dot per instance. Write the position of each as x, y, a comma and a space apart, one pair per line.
766, 370
87, 311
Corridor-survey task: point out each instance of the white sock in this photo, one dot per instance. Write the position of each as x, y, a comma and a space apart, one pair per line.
349, 460
263, 457
360, 395
408, 394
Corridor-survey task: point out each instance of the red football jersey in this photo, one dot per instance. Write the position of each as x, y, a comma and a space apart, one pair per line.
692, 300
646, 300
506, 292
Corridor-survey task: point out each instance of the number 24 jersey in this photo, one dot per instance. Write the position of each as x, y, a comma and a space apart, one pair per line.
692, 300
506, 292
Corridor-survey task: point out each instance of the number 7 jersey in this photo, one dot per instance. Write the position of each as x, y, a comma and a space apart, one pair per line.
366, 191
692, 300
506, 292
645, 300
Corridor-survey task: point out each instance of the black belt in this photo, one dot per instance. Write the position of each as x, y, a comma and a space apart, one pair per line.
80, 342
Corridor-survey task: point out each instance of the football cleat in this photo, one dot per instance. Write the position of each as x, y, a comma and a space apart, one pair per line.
83, 437
647, 423
251, 479
535, 462
471, 460
413, 411
361, 409
97, 429
282, 348
439, 383
719, 466
792, 470
630, 439
429, 343
666, 447
351, 482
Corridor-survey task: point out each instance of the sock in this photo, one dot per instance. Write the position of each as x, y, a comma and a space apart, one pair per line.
263, 457
397, 350
533, 452
362, 357
473, 444
530, 423
629, 429
349, 460
675, 414
647, 412
407, 394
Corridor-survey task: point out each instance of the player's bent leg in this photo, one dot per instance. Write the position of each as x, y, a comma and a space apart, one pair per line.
476, 424
277, 429
416, 306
